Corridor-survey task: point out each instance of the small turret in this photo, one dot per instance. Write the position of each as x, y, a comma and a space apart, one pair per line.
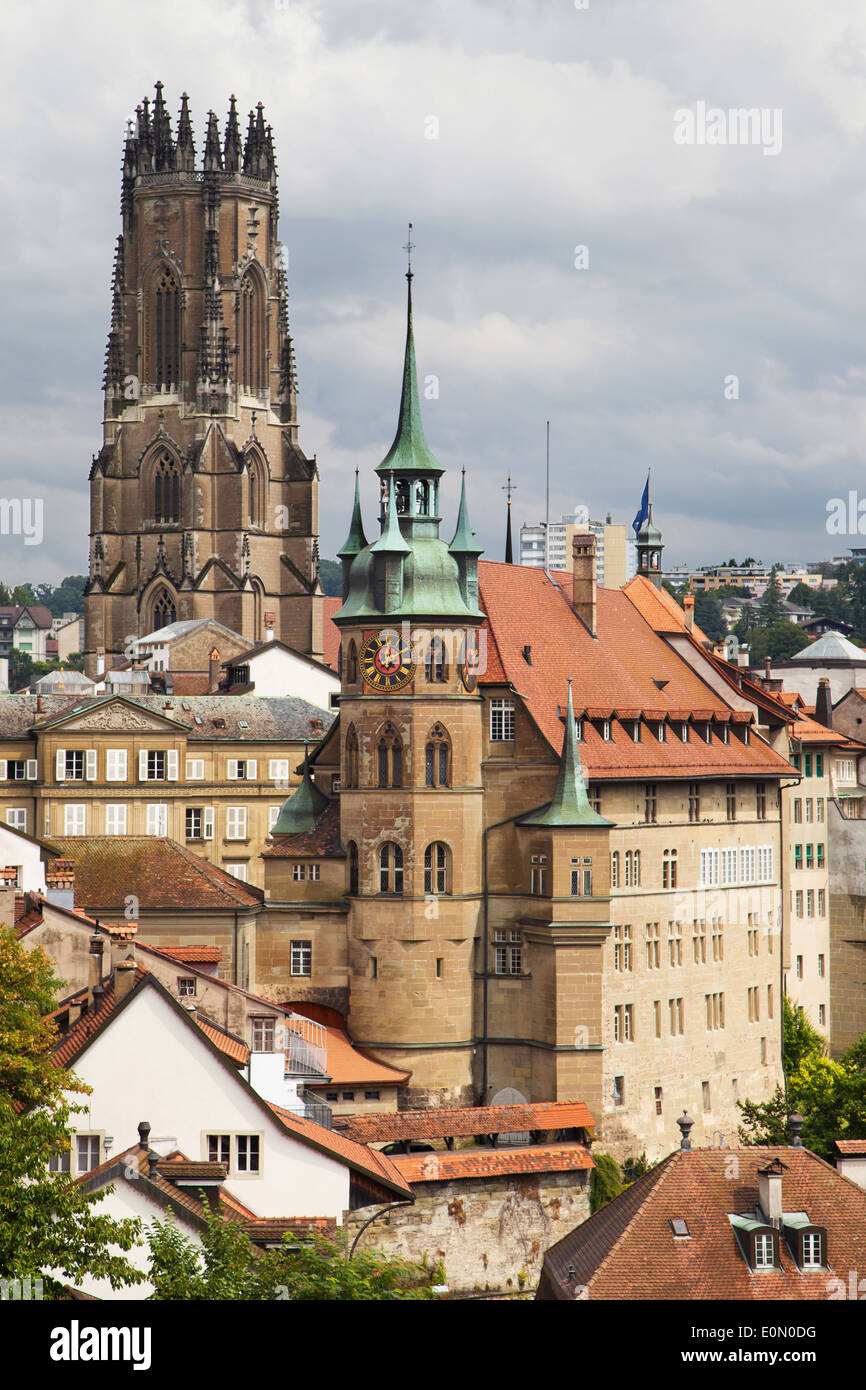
390, 551
213, 159
163, 144
303, 808
570, 805
184, 158
354, 542
465, 551
233, 152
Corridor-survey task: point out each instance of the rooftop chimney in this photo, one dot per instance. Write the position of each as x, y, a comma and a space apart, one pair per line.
94, 973
144, 1134
768, 668
689, 611
583, 580
795, 1125
770, 1192
214, 671
124, 978
824, 703
685, 1123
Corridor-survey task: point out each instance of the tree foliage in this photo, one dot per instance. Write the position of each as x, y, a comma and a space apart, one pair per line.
606, 1181
709, 616
771, 608
47, 1220
331, 576
227, 1267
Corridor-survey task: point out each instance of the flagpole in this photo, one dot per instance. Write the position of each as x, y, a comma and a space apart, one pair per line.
547, 511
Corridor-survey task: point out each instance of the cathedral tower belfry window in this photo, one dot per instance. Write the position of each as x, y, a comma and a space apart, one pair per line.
251, 333
164, 611
162, 328
166, 489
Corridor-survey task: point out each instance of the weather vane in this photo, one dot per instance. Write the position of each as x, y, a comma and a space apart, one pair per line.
509, 487
409, 247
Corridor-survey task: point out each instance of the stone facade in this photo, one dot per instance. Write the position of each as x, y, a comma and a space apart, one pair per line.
202, 502
490, 1233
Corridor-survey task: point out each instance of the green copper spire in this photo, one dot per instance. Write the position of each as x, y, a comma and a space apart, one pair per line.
356, 540
570, 804
410, 452
392, 540
303, 808
464, 537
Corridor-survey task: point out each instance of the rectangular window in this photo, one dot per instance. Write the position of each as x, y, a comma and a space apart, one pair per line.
810, 902
16, 816
157, 819
705, 1095
87, 1152
675, 943
237, 868
649, 808
623, 1023
619, 1090
59, 1161
709, 870
247, 1153
821, 967
766, 870
653, 946
264, 1034
799, 967
273, 816
748, 871
819, 764
195, 769
219, 1148
694, 801
807, 764
675, 1010
657, 1097
302, 958
236, 822
822, 1015
798, 903
819, 850
115, 764
798, 810
763, 1252
812, 1258
74, 818
761, 800
821, 902
845, 770
769, 1001
156, 766
798, 856
699, 941
501, 721
728, 866
194, 823
731, 800
754, 1004
819, 809
622, 948
718, 941
657, 1017
278, 769
614, 869
74, 766
808, 805
186, 986
809, 857
115, 820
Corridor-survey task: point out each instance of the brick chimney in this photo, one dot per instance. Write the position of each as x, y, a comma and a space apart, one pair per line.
584, 600
124, 978
824, 703
689, 611
214, 665
94, 970
770, 1192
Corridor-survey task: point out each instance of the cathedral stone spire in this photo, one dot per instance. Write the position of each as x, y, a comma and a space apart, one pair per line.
213, 160
185, 149
570, 805
233, 150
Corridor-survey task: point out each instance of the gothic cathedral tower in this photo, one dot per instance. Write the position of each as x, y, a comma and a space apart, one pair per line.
410, 769
202, 503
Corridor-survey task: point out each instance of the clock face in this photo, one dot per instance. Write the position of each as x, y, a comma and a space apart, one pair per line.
384, 664
469, 675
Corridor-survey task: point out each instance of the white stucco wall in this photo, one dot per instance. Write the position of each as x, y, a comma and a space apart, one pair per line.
129, 1200
16, 850
149, 1064
276, 672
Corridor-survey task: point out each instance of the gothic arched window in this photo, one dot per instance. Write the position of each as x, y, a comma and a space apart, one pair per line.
166, 489
350, 769
251, 334
391, 869
390, 758
437, 758
351, 664
164, 306
437, 868
353, 867
163, 610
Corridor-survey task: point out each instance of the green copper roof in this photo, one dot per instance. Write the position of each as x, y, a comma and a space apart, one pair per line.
464, 537
410, 452
570, 804
356, 540
302, 809
392, 539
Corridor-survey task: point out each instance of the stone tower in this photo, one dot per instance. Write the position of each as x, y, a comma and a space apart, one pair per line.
202, 503
410, 769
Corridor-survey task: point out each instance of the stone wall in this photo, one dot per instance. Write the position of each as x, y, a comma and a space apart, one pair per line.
488, 1232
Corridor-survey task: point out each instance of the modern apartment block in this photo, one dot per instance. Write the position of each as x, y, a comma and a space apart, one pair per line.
615, 552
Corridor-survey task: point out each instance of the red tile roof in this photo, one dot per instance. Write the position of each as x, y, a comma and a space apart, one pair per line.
192, 955
330, 632
447, 1123
162, 874
88, 1025
620, 669
660, 608
234, 1048
370, 1162
347, 1066
628, 1249
266, 1230
493, 1163
856, 1147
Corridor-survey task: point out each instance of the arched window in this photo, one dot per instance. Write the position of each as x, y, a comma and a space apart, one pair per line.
436, 658
437, 868
614, 869
401, 492
669, 868
636, 869
390, 758
350, 761
391, 869
422, 497
351, 664
251, 334
437, 758
164, 326
163, 610
166, 489
353, 867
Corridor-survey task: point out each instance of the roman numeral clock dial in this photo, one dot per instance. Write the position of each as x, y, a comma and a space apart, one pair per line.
385, 666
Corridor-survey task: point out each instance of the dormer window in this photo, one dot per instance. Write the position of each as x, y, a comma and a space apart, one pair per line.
661, 732
635, 733
812, 1251
726, 734
708, 733
684, 732
578, 730
605, 730
764, 1250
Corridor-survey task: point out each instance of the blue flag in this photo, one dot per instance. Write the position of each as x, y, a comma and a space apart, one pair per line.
644, 509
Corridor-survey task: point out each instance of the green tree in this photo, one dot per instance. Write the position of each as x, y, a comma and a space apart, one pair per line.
22, 595
777, 642
605, 1183
770, 609
709, 616
634, 1168
47, 1220
331, 575
228, 1267
801, 1039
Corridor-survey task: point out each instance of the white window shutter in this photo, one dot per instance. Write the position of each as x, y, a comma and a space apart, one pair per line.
208, 822
242, 822
172, 764
142, 765
3, 770
60, 770
32, 769
232, 770
90, 764
252, 769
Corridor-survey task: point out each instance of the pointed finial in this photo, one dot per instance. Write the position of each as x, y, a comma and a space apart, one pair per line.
409, 247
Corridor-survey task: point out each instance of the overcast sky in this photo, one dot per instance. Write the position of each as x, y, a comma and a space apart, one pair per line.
555, 130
